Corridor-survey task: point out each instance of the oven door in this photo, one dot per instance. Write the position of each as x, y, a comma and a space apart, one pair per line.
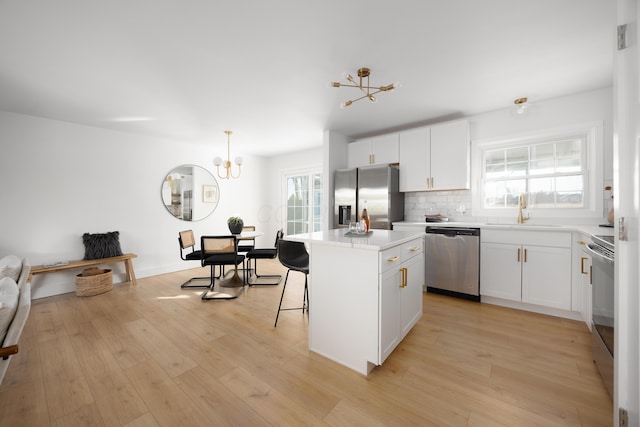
603, 296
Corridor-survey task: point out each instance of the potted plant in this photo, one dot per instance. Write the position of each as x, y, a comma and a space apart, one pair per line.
235, 224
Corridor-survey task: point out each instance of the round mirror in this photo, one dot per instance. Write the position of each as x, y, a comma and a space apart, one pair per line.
190, 193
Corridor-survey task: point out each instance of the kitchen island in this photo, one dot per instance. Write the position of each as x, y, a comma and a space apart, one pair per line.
365, 293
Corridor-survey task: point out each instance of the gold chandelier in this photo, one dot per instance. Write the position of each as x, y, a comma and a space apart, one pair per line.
227, 163
369, 91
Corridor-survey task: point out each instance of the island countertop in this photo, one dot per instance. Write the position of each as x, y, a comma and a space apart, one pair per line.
376, 240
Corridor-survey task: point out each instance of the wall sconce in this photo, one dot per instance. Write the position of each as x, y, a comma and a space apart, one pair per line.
227, 163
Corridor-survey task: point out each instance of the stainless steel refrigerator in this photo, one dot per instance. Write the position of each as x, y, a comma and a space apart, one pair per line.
376, 187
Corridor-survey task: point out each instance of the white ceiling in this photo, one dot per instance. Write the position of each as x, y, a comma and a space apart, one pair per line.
188, 70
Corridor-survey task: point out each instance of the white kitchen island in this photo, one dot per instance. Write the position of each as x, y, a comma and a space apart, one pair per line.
365, 293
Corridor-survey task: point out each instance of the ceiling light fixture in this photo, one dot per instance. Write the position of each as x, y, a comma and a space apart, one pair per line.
521, 106
369, 91
227, 163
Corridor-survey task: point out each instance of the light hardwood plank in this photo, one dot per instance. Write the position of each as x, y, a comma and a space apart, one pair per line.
157, 355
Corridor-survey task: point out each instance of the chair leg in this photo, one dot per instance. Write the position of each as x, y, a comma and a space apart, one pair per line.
281, 297
305, 298
277, 277
186, 284
305, 302
228, 293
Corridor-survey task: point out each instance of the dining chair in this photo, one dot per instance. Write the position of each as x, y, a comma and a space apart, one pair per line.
263, 253
247, 244
187, 243
221, 251
294, 256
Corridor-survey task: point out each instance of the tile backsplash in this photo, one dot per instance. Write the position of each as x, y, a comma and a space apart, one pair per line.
455, 205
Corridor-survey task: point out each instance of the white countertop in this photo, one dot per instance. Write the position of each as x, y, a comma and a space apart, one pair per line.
377, 240
588, 229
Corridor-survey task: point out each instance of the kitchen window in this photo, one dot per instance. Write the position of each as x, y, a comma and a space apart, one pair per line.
304, 201
556, 170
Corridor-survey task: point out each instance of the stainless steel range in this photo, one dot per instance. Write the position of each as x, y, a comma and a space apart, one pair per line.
602, 251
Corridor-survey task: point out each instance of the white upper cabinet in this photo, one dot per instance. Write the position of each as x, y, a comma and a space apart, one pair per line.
379, 150
450, 156
415, 151
435, 158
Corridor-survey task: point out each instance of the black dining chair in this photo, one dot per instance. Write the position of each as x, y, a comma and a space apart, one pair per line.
294, 256
263, 253
221, 251
248, 243
188, 252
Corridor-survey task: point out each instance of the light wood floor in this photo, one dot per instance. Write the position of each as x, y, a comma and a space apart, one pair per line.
155, 355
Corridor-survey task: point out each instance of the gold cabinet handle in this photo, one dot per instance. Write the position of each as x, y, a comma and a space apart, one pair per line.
403, 277
393, 259
372, 159
428, 183
525, 255
582, 260
518, 254
415, 249
432, 183
591, 275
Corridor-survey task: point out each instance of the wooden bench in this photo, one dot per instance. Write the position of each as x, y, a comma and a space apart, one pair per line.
126, 259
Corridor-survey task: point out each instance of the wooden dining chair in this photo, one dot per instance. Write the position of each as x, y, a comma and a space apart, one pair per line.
188, 252
247, 244
221, 251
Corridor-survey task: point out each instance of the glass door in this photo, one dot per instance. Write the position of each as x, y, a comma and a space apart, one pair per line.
304, 201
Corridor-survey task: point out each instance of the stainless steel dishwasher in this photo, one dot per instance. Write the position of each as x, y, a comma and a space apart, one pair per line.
452, 266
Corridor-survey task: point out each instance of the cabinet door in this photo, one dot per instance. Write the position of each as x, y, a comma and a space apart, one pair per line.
585, 273
358, 153
411, 294
390, 282
546, 276
415, 170
500, 271
450, 156
385, 149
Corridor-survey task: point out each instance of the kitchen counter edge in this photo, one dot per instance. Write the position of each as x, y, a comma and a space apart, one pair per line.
588, 229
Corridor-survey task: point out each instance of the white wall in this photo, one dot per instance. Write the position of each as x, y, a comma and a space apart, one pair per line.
579, 108
60, 180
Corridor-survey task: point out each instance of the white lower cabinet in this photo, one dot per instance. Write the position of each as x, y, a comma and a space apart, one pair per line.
363, 301
531, 267
400, 298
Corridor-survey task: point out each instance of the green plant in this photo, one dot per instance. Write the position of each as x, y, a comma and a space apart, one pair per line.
234, 220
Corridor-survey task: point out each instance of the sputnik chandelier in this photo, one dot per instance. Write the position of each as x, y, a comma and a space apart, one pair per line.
227, 163
369, 91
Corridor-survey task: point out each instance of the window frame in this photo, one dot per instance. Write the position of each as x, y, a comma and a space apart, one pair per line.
592, 132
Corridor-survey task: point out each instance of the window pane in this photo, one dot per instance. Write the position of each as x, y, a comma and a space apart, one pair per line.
569, 156
501, 194
542, 159
570, 191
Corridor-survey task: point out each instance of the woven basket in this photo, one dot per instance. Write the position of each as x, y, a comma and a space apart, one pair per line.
93, 281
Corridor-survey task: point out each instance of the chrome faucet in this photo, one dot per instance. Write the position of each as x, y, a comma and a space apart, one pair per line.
522, 204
